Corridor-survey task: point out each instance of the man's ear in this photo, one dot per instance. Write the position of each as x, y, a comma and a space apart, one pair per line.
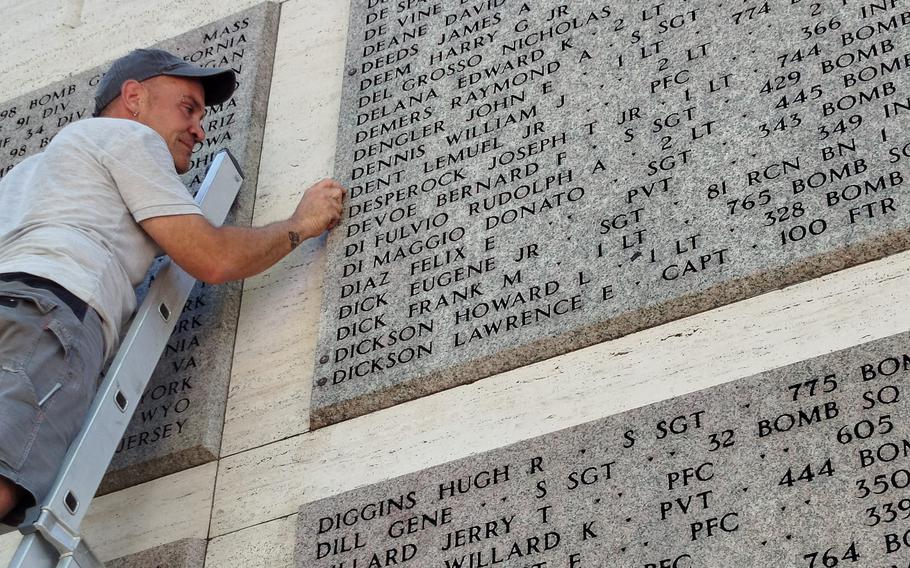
133, 94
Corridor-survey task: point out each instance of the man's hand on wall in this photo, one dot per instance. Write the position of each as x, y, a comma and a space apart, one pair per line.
319, 209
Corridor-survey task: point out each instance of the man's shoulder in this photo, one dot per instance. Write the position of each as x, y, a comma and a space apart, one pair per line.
113, 137
104, 128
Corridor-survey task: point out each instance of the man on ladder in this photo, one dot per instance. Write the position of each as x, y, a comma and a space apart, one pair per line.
80, 225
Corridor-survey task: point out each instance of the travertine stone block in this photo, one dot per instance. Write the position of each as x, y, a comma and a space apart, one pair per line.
186, 553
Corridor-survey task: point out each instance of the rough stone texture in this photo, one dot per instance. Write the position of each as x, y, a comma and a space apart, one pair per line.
179, 423
757, 472
186, 553
686, 157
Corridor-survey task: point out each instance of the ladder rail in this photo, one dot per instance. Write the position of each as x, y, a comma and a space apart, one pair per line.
53, 524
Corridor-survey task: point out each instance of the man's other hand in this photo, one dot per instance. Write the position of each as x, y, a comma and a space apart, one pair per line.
319, 209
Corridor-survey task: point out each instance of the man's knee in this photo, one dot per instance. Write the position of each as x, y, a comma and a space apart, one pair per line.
9, 496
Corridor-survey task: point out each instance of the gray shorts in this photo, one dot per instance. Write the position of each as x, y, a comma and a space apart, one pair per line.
49, 367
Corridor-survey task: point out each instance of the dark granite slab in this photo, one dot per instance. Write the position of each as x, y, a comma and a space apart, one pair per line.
531, 178
792, 467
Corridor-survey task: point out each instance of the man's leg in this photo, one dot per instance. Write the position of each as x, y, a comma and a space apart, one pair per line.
21, 323
10, 494
44, 394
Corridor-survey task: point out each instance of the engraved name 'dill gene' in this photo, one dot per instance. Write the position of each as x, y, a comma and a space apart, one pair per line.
524, 172
806, 466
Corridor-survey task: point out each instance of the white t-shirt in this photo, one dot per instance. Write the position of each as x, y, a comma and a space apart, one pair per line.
71, 213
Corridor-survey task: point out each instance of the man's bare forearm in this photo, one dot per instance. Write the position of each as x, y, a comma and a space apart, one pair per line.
250, 250
219, 254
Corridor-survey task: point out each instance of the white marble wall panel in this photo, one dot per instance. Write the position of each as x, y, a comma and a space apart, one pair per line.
40, 46
280, 308
269, 545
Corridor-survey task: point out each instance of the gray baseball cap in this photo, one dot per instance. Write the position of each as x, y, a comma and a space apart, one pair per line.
143, 64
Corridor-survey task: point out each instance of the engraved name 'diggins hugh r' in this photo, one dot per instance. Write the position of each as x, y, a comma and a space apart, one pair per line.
527, 178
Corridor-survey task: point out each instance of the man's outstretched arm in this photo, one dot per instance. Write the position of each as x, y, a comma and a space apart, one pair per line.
220, 254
